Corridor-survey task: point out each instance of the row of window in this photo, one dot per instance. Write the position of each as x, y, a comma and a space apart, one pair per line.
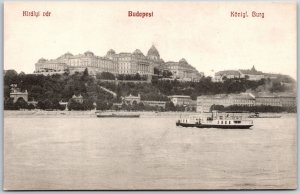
228, 122
124, 58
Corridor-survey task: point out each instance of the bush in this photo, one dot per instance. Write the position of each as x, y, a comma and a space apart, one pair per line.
73, 105
106, 76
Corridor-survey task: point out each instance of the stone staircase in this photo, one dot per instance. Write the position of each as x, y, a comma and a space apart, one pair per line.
108, 91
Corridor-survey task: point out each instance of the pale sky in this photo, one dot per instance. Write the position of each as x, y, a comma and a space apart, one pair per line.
201, 32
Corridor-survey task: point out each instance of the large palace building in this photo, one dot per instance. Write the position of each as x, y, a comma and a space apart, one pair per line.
117, 63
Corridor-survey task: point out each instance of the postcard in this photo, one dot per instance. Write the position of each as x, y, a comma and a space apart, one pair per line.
172, 95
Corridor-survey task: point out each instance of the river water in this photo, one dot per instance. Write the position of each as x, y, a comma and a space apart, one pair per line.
147, 153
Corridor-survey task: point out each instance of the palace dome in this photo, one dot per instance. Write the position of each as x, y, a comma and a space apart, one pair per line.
183, 61
153, 52
89, 53
67, 55
42, 60
138, 52
111, 52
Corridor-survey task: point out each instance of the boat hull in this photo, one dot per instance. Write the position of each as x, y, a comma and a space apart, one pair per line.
118, 116
268, 117
186, 124
213, 126
224, 126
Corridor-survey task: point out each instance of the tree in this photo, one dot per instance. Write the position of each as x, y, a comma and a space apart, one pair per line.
140, 106
85, 73
156, 71
170, 106
224, 78
167, 74
10, 77
31, 107
21, 104
45, 104
137, 77
56, 105
9, 104
73, 105
216, 107
101, 105
88, 104
106, 76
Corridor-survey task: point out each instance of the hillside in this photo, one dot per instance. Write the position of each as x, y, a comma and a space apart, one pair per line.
62, 87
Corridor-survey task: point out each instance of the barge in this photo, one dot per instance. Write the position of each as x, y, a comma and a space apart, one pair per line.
117, 115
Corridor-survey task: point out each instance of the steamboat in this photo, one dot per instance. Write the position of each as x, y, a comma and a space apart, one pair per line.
224, 120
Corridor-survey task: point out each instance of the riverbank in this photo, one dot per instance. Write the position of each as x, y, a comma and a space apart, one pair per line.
41, 113
87, 114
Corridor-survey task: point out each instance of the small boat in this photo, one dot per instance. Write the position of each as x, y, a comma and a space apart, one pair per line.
256, 115
225, 120
117, 115
187, 122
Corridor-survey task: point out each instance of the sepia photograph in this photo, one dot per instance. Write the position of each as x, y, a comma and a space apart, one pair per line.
171, 95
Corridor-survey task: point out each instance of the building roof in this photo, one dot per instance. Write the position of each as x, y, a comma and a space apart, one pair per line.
241, 96
111, 52
131, 96
183, 61
125, 54
138, 52
181, 64
79, 96
246, 71
227, 72
179, 96
68, 54
229, 96
42, 60
212, 96
273, 95
89, 53
251, 71
153, 52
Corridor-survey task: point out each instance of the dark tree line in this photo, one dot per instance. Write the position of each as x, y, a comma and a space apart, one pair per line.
49, 90
162, 73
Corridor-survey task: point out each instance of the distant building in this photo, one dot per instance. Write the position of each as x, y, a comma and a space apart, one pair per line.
267, 101
132, 99
276, 99
154, 57
250, 74
182, 70
288, 101
49, 67
74, 63
229, 74
17, 94
161, 104
34, 103
116, 63
205, 102
78, 98
131, 63
65, 104
180, 100
193, 104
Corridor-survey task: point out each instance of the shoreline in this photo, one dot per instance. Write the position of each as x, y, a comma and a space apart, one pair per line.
92, 113
87, 114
